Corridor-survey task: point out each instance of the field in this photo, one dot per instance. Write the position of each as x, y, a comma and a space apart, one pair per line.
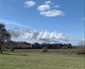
39, 60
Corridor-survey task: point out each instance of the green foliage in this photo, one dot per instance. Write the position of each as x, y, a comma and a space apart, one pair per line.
36, 45
4, 36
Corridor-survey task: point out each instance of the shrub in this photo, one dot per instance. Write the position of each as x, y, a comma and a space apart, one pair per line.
82, 52
44, 49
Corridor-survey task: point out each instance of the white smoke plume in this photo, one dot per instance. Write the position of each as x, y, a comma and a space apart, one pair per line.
30, 34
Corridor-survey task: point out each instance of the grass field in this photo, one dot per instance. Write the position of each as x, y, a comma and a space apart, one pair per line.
32, 60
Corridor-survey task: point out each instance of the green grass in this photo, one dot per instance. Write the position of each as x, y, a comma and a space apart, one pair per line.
40, 61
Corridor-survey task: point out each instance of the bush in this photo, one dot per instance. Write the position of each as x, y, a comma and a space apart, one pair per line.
82, 52
44, 49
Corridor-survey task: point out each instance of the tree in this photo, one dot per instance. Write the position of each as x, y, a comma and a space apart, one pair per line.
4, 36
36, 45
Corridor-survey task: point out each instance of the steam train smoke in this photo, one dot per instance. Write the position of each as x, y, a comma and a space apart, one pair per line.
30, 34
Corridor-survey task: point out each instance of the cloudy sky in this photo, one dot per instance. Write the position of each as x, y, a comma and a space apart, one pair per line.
49, 20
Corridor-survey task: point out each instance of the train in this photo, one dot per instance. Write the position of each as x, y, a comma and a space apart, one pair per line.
25, 45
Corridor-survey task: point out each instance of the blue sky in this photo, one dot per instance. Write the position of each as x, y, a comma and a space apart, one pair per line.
61, 16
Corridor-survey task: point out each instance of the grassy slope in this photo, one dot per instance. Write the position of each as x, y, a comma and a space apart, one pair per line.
40, 61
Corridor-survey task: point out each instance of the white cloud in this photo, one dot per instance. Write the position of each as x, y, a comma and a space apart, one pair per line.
43, 7
56, 6
49, 9
29, 3
48, 2
52, 13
